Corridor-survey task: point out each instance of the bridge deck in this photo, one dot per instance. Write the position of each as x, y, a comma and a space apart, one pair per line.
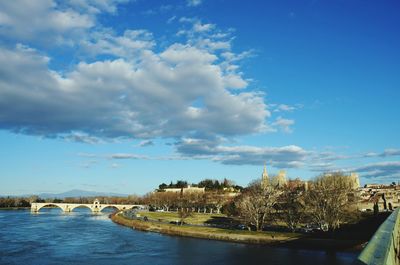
95, 207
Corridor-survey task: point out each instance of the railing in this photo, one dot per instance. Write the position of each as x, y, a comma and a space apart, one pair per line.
384, 246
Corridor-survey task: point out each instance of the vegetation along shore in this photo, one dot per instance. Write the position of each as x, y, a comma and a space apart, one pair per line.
272, 238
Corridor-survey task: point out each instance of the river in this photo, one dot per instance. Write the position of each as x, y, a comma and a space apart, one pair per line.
52, 237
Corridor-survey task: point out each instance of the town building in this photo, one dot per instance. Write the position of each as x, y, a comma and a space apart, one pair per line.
264, 178
188, 189
385, 197
279, 180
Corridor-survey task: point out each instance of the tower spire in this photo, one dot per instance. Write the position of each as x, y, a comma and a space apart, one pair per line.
265, 169
265, 177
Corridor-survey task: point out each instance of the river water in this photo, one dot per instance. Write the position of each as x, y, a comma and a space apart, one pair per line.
52, 237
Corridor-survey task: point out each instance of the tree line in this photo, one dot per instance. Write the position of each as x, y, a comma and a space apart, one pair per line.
208, 184
326, 202
20, 202
14, 202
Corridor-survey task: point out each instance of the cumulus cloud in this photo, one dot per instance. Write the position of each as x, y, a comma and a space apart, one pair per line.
107, 42
207, 36
386, 153
117, 98
391, 152
50, 22
139, 92
97, 6
287, 156
389, 170
27, 20
190, 91
283, 124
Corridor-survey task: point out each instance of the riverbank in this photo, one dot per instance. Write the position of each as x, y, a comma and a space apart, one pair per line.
14, 208
293, 240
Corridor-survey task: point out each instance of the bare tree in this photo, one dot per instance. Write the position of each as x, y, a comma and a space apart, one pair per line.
167, 199
292, 207
185, 204
256, 203
328, 200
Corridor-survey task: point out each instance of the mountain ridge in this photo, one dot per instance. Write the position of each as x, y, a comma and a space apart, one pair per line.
71, 193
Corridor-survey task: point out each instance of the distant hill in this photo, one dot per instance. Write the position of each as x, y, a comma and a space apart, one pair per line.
78, 193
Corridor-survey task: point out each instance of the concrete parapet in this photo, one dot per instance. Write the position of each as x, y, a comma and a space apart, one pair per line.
384, 246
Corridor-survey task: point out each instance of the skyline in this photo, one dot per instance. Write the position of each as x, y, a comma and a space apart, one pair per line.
121, 96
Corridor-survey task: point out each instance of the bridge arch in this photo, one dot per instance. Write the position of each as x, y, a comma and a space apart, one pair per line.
49, 204
79, 206
132, 207
110, 207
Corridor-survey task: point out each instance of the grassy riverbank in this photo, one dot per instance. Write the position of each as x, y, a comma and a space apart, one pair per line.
294, 240
194, 219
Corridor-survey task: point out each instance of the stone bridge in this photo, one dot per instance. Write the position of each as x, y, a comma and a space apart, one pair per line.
96, 207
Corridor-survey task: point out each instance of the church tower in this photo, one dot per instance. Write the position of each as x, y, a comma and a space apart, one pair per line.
264, 178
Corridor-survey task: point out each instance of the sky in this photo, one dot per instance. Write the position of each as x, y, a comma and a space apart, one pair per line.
121, 96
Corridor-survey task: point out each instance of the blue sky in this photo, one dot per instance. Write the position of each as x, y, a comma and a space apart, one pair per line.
120, 96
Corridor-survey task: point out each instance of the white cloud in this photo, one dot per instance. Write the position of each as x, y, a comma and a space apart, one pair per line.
285, 156
391, 152
283, 124
206, 36
194, 2
152, 97
285, 107
186, 54
50, 22
386, 153
199, 27
161, 9
171, 19
146, 143
127, 156
81, 138
387, 170
129, 45
140, 92
42, 21
97, 6
322, 167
